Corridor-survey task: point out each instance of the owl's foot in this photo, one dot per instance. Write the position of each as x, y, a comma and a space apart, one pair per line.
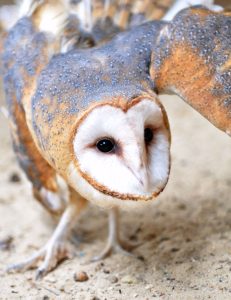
114, 244
57, 248
53, 253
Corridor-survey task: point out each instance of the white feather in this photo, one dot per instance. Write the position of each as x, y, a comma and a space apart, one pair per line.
96, 197
53, 19
128, 171
181, 4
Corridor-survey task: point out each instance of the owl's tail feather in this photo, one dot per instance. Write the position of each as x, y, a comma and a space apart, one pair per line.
124, 14
49, 15
95, 21
121, 14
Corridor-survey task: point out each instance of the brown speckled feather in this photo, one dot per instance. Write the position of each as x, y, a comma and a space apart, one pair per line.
190, 56
125, 13
52, 86
193, 59
52, 92
99, 20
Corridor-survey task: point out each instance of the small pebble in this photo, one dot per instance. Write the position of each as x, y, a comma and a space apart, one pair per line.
129, 279
148, 287
175, 249
62, 288
68, 287
6, 243
14, 177
140, 257
113, 279
51, 279
99, 267
81, 276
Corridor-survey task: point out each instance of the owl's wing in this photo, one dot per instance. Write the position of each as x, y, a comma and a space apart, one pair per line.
192, 58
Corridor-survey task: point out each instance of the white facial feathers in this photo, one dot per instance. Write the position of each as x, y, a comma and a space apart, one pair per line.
147, 114
136, 166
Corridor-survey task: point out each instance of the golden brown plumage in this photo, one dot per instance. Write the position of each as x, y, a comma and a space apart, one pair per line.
193, 60
74, 85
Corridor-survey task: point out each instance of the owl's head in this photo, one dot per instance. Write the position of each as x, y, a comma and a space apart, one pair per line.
121, 152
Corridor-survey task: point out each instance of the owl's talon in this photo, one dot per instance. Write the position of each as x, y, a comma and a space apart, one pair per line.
27, 264
122, 250
105, 253
116, 247
51, 255
39, 274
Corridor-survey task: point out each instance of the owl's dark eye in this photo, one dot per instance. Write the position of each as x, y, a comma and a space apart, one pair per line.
105, 145
148, 135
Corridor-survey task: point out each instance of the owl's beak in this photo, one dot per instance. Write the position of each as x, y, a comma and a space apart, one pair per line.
139, 170
141, 176
143, 172
144, 179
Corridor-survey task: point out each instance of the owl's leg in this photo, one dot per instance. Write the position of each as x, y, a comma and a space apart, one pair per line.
57, 248
114, 243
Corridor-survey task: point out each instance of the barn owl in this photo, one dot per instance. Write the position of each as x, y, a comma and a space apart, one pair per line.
82, 100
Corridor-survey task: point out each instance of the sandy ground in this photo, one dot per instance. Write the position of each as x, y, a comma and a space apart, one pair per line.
185, 236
